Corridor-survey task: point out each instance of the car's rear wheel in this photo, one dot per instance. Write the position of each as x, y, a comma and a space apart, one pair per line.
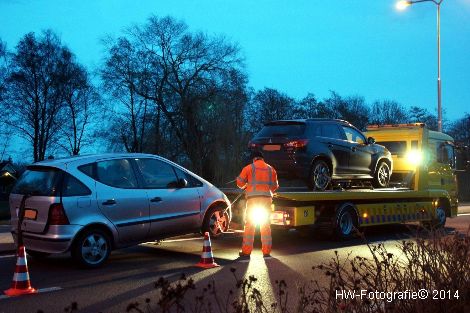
381, 175
92, 248
320, 176
216, 221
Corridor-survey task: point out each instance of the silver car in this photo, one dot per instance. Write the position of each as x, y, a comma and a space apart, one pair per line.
89, 205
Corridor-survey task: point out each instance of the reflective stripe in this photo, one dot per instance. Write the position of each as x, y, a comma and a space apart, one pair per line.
267, 243
206, 255
258, 193
20, 276
21, 261
242, 179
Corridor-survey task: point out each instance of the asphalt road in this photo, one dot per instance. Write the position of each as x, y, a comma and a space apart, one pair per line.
130, 274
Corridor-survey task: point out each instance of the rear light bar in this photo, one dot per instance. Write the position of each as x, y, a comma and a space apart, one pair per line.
57, 215
296, 144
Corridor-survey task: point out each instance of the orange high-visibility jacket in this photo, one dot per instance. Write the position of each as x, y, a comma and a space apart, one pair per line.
258, 179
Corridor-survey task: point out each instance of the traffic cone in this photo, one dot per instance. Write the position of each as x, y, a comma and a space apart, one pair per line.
21, 284
207, 259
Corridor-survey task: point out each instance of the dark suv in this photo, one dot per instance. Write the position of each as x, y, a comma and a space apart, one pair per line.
321, 151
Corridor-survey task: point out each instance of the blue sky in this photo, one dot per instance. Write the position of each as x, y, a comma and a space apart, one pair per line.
354, 47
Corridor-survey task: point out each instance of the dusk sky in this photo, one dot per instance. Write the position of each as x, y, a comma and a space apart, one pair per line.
354, 47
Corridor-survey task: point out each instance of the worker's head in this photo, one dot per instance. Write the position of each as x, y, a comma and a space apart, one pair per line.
256, 154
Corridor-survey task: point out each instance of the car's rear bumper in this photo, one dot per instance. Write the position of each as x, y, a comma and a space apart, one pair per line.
295, 168
58, 239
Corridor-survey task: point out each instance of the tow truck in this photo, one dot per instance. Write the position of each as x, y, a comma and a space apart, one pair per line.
423, 188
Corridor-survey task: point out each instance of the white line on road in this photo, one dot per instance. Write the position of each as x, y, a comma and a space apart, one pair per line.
7, 256
463, 214
42, 290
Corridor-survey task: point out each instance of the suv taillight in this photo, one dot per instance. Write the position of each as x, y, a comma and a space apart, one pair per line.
296, 144
57, 215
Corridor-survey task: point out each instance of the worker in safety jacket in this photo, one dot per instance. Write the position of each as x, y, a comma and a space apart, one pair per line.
259, 180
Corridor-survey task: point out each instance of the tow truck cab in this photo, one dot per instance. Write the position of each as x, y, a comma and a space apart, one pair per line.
423, 187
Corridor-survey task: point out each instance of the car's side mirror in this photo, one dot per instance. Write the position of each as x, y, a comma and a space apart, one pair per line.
370, 140
182, 183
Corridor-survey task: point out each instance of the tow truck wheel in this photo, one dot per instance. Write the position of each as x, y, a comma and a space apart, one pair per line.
320, 176
381, 175
440, 219
345, 222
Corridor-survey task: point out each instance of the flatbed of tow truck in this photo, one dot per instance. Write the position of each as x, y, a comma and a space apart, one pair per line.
429, 198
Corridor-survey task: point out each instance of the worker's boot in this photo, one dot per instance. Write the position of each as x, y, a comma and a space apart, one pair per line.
243, 255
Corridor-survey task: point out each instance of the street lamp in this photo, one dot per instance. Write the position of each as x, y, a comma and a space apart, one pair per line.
401, 5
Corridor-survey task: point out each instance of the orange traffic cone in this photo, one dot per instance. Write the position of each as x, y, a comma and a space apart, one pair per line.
207, 259
20, 284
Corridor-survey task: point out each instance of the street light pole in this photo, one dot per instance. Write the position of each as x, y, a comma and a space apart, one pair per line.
439, 104
402, 5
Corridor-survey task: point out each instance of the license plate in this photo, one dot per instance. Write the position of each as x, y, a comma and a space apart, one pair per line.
30, 214
272, 147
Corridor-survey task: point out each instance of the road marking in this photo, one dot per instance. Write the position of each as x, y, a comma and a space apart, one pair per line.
7, 256
463, 214
42, 290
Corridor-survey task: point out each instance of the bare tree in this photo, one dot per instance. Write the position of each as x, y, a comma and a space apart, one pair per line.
181, 73
421, 115
119, 75
388, 112
81, 104
269, 105
34, 98
352, 109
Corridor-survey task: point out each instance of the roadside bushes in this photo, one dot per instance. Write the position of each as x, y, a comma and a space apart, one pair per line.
430, 273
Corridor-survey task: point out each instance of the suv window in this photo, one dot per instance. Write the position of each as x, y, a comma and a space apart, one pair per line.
282, 130
156, 174
116, 173
331, 131
353, 135
46, 182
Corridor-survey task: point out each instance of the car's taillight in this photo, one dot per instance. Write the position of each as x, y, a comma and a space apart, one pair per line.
296, 144
57, 215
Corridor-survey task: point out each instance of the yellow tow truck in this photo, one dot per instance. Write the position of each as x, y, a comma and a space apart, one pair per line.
423, 188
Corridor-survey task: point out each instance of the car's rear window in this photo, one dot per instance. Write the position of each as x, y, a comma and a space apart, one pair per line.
395, 147
282, 130
47, 181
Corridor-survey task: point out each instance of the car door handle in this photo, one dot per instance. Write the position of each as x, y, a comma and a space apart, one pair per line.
109, 202
156, 199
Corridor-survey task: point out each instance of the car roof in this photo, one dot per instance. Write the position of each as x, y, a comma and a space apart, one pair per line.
308, 120
83, 159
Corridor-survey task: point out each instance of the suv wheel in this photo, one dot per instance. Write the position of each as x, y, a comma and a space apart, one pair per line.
382, 175
216, 222
320, 176
92, 248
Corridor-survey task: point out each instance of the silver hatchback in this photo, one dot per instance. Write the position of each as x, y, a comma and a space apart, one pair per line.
89, 205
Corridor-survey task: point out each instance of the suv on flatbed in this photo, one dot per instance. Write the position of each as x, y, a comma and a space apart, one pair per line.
322, 151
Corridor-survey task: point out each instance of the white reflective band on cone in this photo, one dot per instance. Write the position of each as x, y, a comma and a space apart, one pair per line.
20, 277
21, 261
206, 255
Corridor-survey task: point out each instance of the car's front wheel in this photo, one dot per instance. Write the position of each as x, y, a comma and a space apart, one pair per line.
320, 176
92, 248
216, 221
381, 175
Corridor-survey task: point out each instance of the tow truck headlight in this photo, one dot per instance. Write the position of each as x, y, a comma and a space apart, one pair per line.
259, 215
414, 157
